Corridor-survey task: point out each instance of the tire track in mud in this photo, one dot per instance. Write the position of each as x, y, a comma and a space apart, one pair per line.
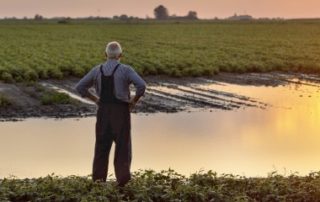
243, 100
164, 94
195, 97
214, 96
196, 102
169, 97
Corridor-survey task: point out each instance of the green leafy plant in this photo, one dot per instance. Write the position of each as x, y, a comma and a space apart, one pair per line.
52, 97
148, 185
4, 101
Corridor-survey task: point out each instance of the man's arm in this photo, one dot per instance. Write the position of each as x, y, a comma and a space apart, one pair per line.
139, 84
84, 84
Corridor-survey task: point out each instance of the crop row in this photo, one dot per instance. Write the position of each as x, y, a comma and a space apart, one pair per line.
41, 51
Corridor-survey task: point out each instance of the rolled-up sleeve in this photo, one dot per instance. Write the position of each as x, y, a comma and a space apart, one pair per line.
137, 81
85, 83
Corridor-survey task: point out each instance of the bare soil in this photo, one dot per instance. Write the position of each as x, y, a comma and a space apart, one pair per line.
164, 94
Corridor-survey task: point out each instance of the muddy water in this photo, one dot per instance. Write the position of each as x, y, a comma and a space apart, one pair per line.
251, 141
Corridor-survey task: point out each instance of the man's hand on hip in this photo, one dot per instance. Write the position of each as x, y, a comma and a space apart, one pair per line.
133, 102
93, 98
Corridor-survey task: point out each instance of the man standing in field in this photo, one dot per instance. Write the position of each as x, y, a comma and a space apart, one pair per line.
111, 81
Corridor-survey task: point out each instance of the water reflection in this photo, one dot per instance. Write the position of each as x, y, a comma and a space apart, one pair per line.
249, 141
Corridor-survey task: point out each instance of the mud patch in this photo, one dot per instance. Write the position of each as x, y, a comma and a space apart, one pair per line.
164, 94
26, 102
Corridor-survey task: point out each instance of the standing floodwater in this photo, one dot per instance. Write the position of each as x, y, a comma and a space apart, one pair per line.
284, 136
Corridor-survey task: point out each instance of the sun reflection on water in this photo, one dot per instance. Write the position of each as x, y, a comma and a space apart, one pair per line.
250, 141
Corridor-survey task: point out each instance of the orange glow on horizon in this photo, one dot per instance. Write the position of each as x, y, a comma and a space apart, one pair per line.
205, 8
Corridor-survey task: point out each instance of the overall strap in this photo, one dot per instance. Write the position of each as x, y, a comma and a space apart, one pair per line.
115, 69
101, 69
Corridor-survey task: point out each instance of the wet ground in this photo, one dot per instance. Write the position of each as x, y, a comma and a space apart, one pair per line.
248, 124
164, 94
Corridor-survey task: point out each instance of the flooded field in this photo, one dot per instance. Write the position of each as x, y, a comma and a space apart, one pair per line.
255, 130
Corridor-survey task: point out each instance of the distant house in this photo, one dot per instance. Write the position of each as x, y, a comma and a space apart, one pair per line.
240, 17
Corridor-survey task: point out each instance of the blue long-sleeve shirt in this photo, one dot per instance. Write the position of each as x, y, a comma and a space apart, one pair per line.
123, 77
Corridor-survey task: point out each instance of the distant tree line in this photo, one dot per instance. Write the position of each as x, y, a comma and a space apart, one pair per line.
162, 13
38, 17
125, 17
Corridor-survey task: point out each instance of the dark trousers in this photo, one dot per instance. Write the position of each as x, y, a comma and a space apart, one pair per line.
113, 125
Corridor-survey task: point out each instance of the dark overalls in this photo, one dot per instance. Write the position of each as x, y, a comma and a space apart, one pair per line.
113, 124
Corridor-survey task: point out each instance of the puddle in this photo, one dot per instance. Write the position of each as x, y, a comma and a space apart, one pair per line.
251, 141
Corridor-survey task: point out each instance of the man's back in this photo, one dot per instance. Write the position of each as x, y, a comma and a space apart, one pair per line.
123, 77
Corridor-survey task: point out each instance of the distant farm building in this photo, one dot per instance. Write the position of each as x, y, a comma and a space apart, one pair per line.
240, 17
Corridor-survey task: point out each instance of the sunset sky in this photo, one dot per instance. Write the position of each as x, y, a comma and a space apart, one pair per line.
142, 8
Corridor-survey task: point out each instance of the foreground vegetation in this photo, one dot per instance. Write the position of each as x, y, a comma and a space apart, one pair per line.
49, 96
52, 97
4, 101
165, 186
31, 50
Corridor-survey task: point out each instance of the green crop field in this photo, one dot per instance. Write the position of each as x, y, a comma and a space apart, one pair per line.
165, 186
38, 50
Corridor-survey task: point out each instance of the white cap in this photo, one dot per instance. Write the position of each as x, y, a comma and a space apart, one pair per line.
113, 49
